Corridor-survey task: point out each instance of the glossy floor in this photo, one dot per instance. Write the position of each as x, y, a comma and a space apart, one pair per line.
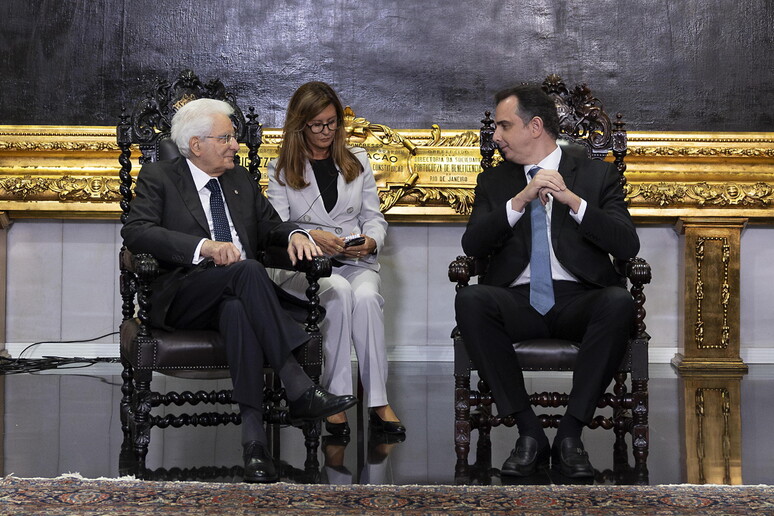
62, 421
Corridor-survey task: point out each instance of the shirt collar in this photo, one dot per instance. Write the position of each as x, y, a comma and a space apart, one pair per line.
550, 162
199, 176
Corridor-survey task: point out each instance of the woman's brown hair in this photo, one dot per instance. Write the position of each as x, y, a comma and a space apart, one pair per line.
307, 102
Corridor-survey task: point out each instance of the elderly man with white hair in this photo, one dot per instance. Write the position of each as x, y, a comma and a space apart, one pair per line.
205, 220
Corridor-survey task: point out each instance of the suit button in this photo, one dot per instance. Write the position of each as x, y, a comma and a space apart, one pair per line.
338, 231
307, 218
350, 209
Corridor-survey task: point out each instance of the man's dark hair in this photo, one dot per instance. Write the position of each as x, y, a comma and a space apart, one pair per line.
533, 101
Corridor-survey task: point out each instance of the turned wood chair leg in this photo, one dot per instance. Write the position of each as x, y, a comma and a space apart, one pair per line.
312, 430
127, 390
462, 420
640, 434
142, 425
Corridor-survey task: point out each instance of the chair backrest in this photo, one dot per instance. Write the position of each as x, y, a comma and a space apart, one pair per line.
149, 123
582, 121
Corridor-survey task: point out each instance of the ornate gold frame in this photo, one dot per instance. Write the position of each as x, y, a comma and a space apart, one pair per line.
422, 175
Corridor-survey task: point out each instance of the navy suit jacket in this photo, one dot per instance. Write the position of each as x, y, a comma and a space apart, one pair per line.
583, 249
167, 220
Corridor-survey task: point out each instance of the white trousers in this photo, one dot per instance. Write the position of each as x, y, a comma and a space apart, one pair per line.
354, 315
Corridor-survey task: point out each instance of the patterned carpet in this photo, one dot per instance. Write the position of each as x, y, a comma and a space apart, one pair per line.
72, 495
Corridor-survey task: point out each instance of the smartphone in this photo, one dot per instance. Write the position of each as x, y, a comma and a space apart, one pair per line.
357, 240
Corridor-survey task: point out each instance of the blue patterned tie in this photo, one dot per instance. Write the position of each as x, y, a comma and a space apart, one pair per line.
218, 210
541, 288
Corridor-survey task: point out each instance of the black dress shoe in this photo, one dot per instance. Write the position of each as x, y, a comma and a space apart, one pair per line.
526, 458
317, 403
259, 466
377, 424
571, 458
337, 429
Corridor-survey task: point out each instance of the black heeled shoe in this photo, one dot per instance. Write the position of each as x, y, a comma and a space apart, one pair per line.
337, 429
377, 424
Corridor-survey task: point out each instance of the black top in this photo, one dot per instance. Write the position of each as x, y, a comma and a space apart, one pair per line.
326, 174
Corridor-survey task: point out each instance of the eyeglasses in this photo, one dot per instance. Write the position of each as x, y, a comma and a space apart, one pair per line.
317, 127
226, 138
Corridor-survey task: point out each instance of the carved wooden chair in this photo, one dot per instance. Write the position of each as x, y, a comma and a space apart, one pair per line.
188, 353
583, 125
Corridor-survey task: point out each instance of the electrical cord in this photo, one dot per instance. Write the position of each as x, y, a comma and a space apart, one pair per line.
32, 365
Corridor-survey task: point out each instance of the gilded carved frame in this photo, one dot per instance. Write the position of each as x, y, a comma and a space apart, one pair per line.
423, 175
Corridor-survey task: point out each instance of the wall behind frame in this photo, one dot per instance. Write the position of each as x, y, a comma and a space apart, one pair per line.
63, 285
688, 65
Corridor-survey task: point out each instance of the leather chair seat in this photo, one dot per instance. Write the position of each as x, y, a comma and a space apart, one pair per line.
546, 354
182, 353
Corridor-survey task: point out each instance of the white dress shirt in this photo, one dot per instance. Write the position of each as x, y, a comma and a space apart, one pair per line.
558, 272
201, 178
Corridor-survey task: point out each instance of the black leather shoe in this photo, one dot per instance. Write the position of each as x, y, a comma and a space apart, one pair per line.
317, 403
571, 458
526, 458
337, 429
377, 424
259, 466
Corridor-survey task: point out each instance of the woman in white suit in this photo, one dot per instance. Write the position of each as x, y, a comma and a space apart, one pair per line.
329, 190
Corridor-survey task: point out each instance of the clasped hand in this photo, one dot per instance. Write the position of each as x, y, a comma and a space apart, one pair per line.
546, 183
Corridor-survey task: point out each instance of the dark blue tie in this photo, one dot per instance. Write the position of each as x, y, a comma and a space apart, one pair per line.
218, 210
541, 287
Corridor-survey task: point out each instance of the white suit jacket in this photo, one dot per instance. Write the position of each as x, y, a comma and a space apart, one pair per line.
356, 210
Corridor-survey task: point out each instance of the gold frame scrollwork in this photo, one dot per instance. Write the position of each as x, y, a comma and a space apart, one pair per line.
702, 194
725, 293
423, 175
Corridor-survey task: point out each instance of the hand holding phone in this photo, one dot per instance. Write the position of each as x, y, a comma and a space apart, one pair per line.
351, 240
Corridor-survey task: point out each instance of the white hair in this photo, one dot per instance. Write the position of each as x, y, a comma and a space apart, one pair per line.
196, 118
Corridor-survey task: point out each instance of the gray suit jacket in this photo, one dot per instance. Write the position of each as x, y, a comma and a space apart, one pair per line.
356, 210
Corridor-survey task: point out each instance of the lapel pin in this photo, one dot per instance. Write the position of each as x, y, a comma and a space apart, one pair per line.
236, 192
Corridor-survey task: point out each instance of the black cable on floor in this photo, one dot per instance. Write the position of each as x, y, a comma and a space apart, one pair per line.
31, 365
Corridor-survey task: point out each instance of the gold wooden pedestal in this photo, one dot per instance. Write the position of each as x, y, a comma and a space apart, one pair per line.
710, 292
709, 362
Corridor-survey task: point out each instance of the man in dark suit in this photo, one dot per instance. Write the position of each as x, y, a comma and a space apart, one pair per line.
562, 286
205, 220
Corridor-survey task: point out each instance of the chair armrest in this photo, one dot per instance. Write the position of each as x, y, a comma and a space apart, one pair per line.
276, 257
461, 270
146, 267
138, 271
638, 272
